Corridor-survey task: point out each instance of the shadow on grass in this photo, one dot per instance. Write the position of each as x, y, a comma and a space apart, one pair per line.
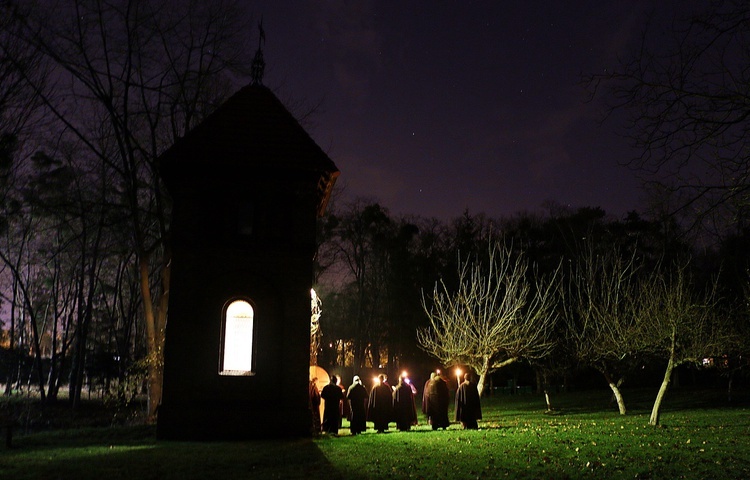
128, 453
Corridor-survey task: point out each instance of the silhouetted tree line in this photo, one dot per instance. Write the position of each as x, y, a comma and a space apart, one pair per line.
624, 292
90, 94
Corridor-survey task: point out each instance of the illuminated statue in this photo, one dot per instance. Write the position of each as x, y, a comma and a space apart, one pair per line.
315, 333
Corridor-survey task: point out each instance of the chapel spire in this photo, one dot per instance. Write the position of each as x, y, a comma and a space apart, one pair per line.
259, 65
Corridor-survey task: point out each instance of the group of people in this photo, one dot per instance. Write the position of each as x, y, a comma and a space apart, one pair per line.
385, 404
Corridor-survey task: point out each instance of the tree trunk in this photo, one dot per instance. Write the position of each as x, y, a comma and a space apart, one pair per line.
654, 420
154, 341
618, 397
14, 360
488, 367
483, 372
480, 383
37, 344
52, 374
374, 355
80, 339
617, 394
359, 353
79, 363
39, 368
545, 388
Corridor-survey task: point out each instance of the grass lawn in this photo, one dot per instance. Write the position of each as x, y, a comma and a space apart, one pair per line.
701, 437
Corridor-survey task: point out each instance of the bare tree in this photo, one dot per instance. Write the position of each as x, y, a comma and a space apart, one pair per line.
685, 92
497, 316
18, 101
18, 107
24, 310
682, 325
601, 312
132, 76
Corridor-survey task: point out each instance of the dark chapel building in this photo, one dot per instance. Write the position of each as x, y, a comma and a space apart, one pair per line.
248, 185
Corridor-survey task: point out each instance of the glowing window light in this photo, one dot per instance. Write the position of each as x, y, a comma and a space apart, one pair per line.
238, 339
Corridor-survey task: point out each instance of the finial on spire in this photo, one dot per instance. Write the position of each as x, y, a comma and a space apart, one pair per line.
259, 65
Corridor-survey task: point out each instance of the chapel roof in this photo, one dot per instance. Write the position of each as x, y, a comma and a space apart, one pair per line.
252, 130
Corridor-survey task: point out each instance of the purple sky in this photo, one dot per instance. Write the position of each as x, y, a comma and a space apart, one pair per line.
435, 107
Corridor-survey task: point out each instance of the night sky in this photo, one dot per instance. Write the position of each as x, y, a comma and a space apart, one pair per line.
433, 108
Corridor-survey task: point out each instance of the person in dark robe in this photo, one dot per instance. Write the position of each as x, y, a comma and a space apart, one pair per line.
426, 394
437, 403
404, 409
315, 405
332, 396
357, 398
380, 405
468, 407
344, 405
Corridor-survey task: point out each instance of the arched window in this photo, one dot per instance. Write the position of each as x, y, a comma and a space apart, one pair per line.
237, 339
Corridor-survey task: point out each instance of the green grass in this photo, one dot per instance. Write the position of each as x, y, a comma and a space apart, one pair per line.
701, 437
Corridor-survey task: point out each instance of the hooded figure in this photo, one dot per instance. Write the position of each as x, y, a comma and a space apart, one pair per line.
438, 400
404, 409
357, 397
468, 408
332, 395
380, 406
426, 393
